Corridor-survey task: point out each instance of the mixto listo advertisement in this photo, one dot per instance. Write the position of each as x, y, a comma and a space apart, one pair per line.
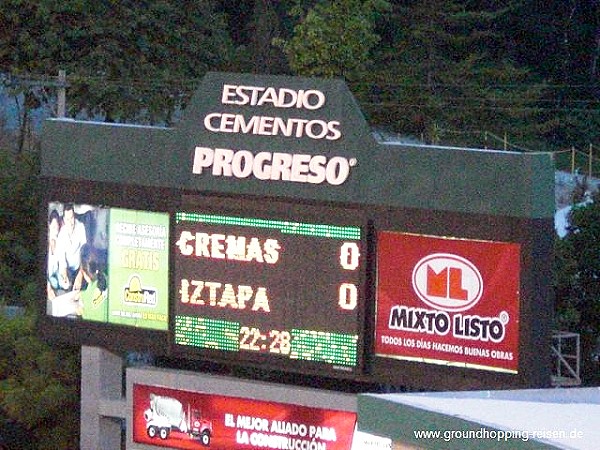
448, 301
193, 420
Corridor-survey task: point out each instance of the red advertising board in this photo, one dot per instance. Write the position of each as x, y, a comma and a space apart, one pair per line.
448, 301
192, 420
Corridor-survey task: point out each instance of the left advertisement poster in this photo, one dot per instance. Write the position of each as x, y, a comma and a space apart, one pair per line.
108, 265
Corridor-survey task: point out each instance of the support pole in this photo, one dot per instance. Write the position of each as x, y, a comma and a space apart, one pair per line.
61, 101
101, 383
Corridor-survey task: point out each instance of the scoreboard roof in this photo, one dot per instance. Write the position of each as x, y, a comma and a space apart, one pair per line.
296, 138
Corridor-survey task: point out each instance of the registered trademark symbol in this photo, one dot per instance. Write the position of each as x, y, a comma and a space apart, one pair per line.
352, 162
504, 317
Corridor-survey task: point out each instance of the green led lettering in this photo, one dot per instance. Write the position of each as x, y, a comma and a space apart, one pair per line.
286, 227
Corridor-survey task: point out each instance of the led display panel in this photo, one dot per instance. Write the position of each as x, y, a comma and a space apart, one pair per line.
108, 265
269, 291
448, 301
180, 419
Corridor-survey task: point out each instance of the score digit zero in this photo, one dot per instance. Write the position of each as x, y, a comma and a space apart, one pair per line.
349, 260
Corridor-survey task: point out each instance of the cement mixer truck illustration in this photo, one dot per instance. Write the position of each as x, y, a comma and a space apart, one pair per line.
167, 414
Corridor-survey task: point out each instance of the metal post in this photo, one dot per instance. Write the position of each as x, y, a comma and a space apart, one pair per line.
61, 101
101, 383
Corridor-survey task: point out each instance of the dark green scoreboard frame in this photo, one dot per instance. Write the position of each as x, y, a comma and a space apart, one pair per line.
425, 190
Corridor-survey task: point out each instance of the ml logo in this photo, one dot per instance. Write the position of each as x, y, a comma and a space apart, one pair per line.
448, 282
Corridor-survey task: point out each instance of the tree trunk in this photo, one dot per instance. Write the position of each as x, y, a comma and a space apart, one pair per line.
265, 24
23, 120
595, 59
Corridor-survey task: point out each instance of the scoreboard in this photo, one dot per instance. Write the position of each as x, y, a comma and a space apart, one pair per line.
268, 229
264, 289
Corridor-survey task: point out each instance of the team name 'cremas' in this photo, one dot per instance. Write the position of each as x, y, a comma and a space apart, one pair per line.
298, 168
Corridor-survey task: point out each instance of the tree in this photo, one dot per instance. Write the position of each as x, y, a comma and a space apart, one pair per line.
578, 279
19, 237
29, 44
125, 60
38, 384
442, 65
134, 61
333, 38
254, 25
560, 41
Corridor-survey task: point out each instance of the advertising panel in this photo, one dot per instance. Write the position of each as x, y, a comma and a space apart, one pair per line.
448, 301
108, 265
190, 420
269, 290
138, 267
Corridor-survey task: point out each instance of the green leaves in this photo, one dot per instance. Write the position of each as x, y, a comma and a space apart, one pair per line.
38, 384
578, 278
443, 74
125, 60
334, 39
133, 58
18, 226
417, 67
